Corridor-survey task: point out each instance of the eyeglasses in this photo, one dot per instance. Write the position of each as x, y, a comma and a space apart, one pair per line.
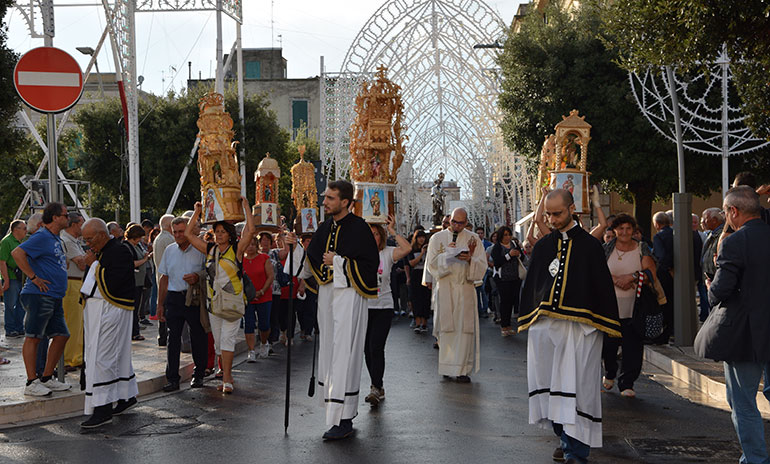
459, 223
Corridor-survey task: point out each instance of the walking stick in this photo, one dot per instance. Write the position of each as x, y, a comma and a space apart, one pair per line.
311, 387
289, 338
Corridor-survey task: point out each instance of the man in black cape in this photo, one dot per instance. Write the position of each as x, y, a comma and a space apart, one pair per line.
568, 303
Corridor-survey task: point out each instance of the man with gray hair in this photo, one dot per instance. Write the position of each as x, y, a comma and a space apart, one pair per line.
34, 222
162, 241
663, 250
737, 330
115, 230
713, 222
73, 308
108, 291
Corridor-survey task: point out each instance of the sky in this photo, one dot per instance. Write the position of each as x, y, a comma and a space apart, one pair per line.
166, 42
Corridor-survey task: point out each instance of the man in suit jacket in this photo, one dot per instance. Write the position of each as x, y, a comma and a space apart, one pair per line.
738, 330
663, 249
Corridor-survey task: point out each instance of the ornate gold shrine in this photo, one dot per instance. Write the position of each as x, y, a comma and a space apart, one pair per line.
266, 214
217, 162
304, 194
564, 159
377, 147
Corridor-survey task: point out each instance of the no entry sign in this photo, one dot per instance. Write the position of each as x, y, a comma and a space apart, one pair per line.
48, 79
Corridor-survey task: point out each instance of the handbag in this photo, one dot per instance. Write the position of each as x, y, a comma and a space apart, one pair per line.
228, 306
647, 318
522, 270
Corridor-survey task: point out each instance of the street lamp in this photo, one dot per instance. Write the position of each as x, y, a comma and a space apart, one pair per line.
90, 51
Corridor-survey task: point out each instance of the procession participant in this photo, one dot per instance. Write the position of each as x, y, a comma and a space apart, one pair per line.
381, 309
73, 307
109, 294
179, 269
454, 274
343, 259
42, 259
567, 303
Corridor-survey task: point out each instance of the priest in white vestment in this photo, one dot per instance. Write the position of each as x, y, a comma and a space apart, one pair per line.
456, 259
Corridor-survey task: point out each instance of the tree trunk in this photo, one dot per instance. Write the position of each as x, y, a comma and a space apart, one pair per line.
643, 198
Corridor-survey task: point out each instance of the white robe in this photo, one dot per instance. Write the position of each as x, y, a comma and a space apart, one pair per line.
109, 373
563, 375
457, 319
342, 319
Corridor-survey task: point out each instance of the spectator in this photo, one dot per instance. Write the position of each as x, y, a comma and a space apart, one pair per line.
481, 293
43, 261
419, 294
34, 223
739, 335
72, 303
12, 280
258, 267
505, 255
159, 245
663, 250
713, 222
134, 234
115, 230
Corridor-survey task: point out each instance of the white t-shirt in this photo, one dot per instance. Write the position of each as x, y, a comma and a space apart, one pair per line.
384, 295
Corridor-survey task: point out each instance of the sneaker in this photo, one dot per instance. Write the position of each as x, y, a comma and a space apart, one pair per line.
628, 393
54, 385
403, 313
424, 329
417, 329
251, 357
145, 322
375, 396
36, 388
264, 350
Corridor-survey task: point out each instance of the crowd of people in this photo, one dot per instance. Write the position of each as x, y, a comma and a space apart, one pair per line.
85, 290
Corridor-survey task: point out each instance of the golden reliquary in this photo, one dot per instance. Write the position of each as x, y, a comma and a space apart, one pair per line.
304, 194
266, 214
377, 147
563, 160
217, 162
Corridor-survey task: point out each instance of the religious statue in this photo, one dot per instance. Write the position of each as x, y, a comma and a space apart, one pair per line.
266, 178
217, 163
304, 193
438, 200
377, 147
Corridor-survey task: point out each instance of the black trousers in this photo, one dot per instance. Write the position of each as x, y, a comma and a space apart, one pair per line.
176, 315
420, 295
377, 330
308, 312
509, 299
283, 316
667, 282
137, 309
633, 353
275, 320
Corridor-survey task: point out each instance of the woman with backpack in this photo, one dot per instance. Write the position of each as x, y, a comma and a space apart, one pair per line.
227, 300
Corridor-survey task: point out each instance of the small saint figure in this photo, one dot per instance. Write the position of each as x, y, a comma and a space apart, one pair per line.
375, 202
569, 184
268, 193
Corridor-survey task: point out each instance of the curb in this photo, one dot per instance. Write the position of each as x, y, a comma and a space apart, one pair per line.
62, 404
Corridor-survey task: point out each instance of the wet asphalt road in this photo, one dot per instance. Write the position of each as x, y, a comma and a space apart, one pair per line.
424, 419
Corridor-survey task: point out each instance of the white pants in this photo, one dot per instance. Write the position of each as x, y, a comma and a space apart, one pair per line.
225, 333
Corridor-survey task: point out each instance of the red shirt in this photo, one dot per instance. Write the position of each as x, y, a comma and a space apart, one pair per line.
255, 269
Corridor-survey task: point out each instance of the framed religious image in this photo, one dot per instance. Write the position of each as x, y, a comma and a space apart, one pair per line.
309, 220
574, 182
375, 204
269, 214
212, 210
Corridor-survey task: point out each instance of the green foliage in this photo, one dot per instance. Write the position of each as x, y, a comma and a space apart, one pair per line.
166, 136
552, 68
688, 33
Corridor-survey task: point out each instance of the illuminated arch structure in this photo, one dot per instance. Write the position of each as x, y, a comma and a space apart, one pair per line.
450, 95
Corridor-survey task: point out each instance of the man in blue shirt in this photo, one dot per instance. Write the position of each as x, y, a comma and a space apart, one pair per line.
178, 270
42, 259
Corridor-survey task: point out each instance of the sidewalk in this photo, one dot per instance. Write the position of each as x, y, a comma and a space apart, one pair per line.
149, 361
696, 379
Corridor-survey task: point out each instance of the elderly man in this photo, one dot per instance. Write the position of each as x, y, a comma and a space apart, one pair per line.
456, 259
42, 259
162, 241
73, 309
713, 222
179, 269
109, 291
737, 331
663, 249
115, 230
11, 276
568, 303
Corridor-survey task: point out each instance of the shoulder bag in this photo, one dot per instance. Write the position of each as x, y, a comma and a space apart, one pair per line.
228, 306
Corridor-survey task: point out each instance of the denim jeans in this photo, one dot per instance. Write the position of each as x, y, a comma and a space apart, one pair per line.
572, 448
742, 382
481, 296
14, 313
703, 296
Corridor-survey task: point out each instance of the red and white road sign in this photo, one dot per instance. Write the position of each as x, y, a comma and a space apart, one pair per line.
48, 79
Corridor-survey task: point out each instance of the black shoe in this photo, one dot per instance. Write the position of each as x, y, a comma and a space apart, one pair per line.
161, 342
171, 386
123, 405
558, 455
145, 322
196, 382
463, 379
102, 415
339, 432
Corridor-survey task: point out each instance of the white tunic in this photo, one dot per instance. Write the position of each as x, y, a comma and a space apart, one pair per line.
342, 319
109, 373
457, 319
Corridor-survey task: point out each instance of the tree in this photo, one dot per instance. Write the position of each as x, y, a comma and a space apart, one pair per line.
688, 33
167, 133
554, 67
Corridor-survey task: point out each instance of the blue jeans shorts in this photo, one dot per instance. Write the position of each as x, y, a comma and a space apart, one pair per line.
254, 312
44, 316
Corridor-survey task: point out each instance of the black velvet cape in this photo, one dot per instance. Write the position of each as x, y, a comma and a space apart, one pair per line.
115, 275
